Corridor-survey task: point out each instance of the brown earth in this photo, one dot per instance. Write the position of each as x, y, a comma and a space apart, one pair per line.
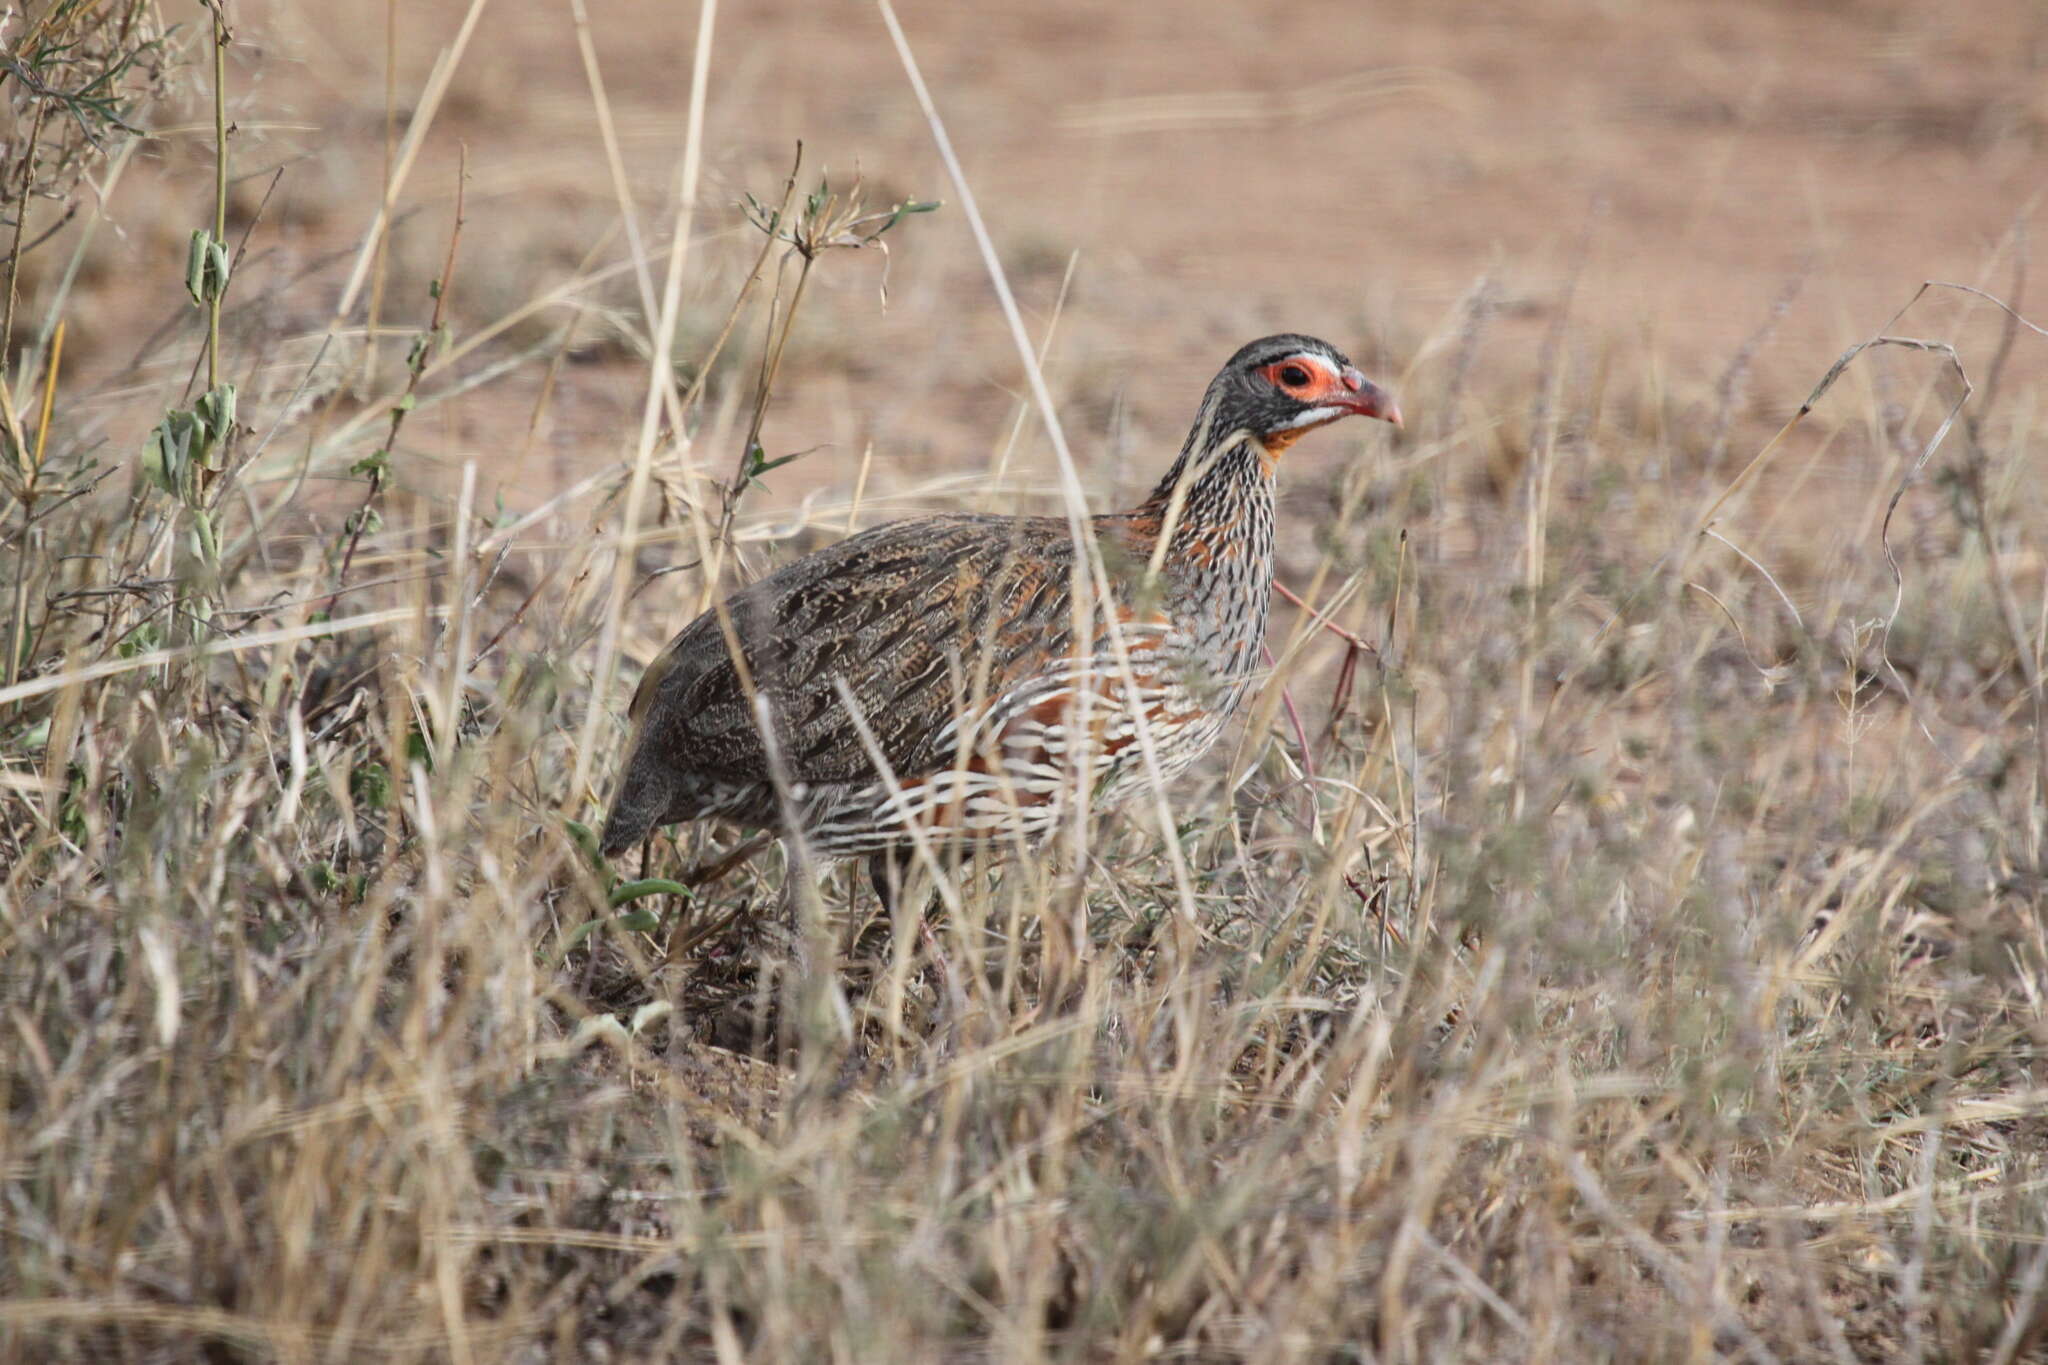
1213, 171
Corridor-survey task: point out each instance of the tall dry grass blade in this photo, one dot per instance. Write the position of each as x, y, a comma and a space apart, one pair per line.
660, 377
1091, 577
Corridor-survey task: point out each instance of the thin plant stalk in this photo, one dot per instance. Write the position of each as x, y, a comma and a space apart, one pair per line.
221, 38
32, 465
379, 463
659, 376
28, 165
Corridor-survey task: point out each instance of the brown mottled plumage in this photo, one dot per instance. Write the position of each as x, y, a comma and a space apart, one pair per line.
955, 637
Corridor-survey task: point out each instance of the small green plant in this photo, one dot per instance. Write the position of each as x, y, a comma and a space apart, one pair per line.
826, 219
73, 75
187, 454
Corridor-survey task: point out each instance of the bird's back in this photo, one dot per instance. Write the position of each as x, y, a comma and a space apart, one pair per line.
922, 621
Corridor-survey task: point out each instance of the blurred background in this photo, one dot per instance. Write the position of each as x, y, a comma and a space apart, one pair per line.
1703, 202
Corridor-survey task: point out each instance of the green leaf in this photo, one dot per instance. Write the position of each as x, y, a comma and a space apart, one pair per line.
758, 462
215, 412
369, 784
217, 268
186, 440
206, 267
195, 264
626, 892
160, 460
171, 449
898, 213
580, 835
141, 640
638, 921
71, 811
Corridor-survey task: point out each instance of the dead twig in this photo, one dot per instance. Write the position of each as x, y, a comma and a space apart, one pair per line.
378, 464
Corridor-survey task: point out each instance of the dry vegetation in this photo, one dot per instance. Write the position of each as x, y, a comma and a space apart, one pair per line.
1631, 949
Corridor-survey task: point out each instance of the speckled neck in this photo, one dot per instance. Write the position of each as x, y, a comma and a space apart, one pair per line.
1219, 559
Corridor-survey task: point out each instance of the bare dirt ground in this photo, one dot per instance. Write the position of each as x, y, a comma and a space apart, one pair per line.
1667, 172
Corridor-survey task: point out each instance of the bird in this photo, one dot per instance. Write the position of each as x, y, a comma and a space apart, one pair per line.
953, 641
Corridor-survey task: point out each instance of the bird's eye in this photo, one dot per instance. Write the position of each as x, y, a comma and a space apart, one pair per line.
1293, 376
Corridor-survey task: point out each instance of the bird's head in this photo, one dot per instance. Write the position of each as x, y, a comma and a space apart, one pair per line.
1281, 386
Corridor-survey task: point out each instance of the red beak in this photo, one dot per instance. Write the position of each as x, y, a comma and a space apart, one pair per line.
1366, 398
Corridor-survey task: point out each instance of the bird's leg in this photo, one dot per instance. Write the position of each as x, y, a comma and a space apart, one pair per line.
814, 1023
781, 930
889, 871
889, 874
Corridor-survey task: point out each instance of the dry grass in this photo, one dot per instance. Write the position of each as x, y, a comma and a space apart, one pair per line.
1638, 954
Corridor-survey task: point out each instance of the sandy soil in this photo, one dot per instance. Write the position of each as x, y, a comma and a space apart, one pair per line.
1666, 171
